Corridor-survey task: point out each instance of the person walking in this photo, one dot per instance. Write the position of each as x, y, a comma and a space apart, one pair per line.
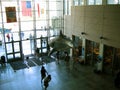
58, 56
67, 58
46, 81
117, 80
43, 73
8, 37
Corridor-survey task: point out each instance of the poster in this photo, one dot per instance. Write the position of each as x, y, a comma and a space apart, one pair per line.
10, 14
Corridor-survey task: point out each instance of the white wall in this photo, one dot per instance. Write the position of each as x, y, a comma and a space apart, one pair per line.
95, 21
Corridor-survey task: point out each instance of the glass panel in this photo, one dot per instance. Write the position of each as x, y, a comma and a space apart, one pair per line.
108, 59
65, 7
81, 2
28, 42
10, 56
70, 4
112, 1
15, 32
41, 33
57, 23
27, 35
9, 48
2, 51
98, 2
52, 33
75, 2
54, 5
26, 26
14, 36
44, 50
91, 2
2, 48
92, 52
17, 55
2, 45
26, 47
38, 43
55, 14
40, 24
16, 47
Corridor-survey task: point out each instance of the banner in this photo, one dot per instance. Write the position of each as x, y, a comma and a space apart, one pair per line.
38, 8
26, 8
11, 14
42, 11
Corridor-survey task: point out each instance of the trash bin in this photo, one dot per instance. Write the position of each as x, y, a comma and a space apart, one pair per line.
3, 59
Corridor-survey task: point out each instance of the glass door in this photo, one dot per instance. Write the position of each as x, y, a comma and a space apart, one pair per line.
42, 41
13, 51
92, 52
10, 27
27, 42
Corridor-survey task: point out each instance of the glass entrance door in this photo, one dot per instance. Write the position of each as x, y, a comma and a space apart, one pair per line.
28, 43
13, 45
13, 51
10, 29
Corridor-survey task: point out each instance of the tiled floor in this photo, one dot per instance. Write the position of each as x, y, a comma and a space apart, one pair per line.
64, 77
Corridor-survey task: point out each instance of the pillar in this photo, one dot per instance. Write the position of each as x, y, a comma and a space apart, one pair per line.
84, 50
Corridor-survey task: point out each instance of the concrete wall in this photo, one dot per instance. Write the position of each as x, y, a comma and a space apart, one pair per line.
95, 21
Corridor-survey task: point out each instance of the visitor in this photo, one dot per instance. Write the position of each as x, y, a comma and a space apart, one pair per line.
58, 56
46, 81
67, 58
117, 80
8, 37
43, 73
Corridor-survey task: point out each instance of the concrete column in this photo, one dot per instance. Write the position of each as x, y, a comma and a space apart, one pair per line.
101, 54
84, 50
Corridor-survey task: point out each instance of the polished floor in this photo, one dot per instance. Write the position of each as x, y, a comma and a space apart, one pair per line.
64, 77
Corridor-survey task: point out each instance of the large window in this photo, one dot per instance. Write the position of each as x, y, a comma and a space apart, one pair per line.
32, 14
24, 18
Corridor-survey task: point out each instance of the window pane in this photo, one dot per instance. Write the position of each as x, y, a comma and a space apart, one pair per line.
69, 7
98, 2
112, 1
90, 2
81, 2
65, 7
17, 46
75, 2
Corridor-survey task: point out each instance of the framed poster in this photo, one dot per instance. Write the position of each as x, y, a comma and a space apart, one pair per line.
11, 14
